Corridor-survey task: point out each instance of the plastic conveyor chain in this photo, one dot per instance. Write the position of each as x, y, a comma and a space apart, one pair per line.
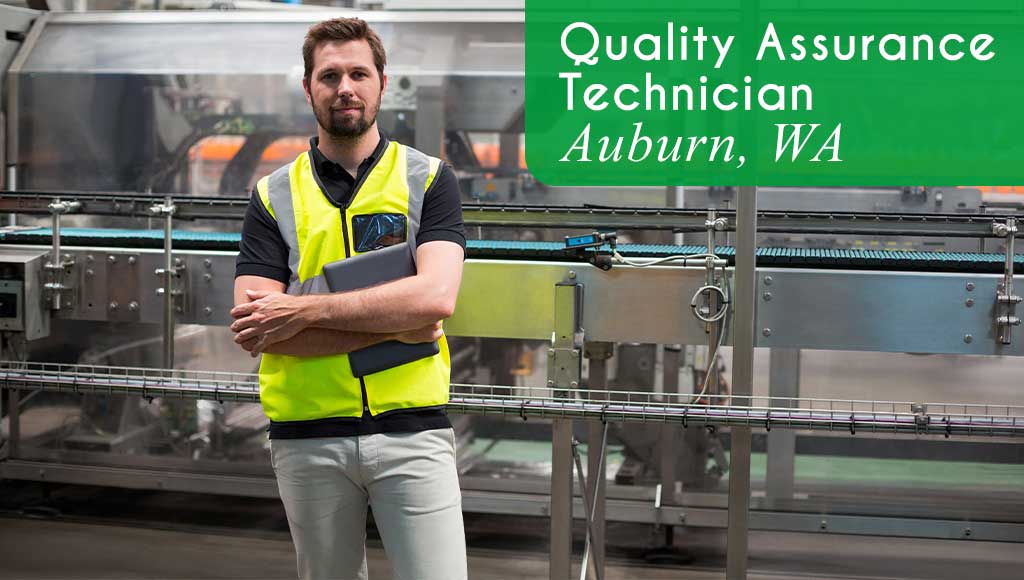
850, 258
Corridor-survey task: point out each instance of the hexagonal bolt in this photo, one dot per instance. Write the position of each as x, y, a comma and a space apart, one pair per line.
208, 263
112, 259
112, 306
968, 338
572, 275
551, 383
90, 272
132, 260
767, 332
969, 302
208, 311
970, 286
768, 280
207, 277
89, 258
133, 306
767, 296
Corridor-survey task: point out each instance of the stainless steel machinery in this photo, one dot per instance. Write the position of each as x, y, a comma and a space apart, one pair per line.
774, 374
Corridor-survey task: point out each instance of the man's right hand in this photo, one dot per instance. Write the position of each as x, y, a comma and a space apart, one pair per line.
428, 333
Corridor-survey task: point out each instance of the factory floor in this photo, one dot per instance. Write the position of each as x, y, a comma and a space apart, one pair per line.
81, 532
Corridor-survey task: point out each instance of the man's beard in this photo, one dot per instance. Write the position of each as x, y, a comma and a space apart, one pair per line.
347, 128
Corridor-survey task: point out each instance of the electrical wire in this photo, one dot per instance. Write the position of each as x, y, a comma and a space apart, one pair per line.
722, 319
623, 259
713, 357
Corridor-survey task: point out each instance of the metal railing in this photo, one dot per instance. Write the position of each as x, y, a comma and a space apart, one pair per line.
841, 415
505, 215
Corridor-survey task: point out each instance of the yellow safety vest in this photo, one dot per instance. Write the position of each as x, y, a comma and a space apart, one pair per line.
318, 232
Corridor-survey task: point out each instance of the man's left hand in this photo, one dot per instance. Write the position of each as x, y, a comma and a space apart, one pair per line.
269, 317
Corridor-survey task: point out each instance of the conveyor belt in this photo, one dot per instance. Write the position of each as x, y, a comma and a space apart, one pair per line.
865, 259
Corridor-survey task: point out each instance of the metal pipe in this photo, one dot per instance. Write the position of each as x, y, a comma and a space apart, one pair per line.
585, 499
56, 265
684, 220
742, 380
597, 433
169, 273
712, 330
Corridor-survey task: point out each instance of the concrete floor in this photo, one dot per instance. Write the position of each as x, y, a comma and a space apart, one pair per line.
96, 533
36, 550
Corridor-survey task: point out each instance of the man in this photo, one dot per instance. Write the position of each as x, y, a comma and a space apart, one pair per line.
339, 442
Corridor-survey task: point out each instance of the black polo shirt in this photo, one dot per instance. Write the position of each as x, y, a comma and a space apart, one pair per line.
263, 252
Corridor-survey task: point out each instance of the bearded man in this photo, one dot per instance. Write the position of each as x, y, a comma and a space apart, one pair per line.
342, 442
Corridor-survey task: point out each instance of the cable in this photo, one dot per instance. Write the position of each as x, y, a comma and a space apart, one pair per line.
721, 316
713, 358
623, 260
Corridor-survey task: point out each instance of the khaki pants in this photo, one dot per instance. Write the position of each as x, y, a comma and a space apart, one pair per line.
409, 480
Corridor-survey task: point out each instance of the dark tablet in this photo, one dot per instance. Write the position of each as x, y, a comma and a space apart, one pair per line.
370, 269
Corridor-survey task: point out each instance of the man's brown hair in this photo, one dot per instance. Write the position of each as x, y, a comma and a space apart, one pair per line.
342, 30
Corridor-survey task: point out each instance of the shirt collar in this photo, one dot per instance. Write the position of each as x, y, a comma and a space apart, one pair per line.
327, 168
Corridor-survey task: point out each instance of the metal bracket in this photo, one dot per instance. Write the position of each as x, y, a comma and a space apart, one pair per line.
921, 417
58, 265
1006, 300
163, 209
178, 284
565, 357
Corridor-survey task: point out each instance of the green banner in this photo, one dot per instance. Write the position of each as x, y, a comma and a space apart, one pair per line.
783, 93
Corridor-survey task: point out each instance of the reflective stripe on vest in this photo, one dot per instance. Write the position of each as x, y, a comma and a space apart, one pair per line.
318, 233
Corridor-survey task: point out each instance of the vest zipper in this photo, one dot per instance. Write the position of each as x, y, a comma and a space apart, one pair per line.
366, 400
344, 235
348, 254
344, 231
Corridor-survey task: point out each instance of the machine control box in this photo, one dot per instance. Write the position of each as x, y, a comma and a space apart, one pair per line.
22, 305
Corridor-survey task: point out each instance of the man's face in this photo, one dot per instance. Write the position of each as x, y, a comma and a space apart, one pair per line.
344, 88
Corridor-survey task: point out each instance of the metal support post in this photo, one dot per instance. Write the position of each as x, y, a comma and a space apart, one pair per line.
742, 381
784, 382
169, 271
564, 366
57, 265
671, 361
561, 499
12, 183
598, 353
712, 225
14, 422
